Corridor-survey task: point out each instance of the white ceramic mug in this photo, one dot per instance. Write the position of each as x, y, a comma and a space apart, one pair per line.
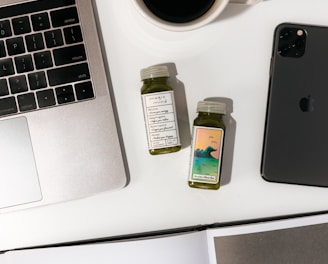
214, 11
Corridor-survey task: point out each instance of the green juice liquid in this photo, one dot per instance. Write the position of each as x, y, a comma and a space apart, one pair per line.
157, 87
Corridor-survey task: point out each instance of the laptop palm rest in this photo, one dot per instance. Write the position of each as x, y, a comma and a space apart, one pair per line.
19, 182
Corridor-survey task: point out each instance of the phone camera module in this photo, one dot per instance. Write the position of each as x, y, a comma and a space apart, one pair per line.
292, 42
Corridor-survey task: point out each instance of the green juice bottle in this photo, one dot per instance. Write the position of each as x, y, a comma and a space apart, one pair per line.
159, 111
207, 145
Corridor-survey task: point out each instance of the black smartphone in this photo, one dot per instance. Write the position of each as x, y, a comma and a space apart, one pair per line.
295, 147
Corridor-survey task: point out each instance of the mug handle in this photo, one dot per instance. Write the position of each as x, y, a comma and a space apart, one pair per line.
248, 2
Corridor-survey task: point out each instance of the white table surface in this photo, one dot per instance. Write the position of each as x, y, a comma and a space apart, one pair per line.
228, 59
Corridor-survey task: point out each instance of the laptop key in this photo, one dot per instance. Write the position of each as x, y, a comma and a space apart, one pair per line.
3, 87
15, 46
5, 29
6, 67
68, 74
37, 80
84, 90
2, 49
65, 94
26, 102
34, 42
54, 38
8, 106
73, 34
64, 17
21, 25
43, 60
18, 84
69, 55
46, 98
40, 21
24, 63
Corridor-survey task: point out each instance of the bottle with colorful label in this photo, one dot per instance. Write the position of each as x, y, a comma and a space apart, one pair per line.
159, 111
207, 145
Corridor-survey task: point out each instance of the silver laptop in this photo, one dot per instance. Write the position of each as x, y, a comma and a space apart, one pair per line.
59, 136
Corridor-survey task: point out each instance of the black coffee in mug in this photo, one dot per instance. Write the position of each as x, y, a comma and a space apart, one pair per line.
179, 11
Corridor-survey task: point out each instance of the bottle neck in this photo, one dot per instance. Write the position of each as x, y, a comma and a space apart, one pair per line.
209, 114
161, 80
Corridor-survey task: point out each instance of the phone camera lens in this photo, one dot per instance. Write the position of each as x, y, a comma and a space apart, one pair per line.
286, 34
284, 50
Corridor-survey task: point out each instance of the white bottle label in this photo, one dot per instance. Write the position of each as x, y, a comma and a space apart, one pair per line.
161, 120
206, 154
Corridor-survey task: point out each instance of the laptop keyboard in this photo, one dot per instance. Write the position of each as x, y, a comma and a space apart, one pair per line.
43, 60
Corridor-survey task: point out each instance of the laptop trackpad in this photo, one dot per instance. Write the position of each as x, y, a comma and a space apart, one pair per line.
19, 182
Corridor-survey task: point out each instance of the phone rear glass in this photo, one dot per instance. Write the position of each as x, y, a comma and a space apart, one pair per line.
295, 148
